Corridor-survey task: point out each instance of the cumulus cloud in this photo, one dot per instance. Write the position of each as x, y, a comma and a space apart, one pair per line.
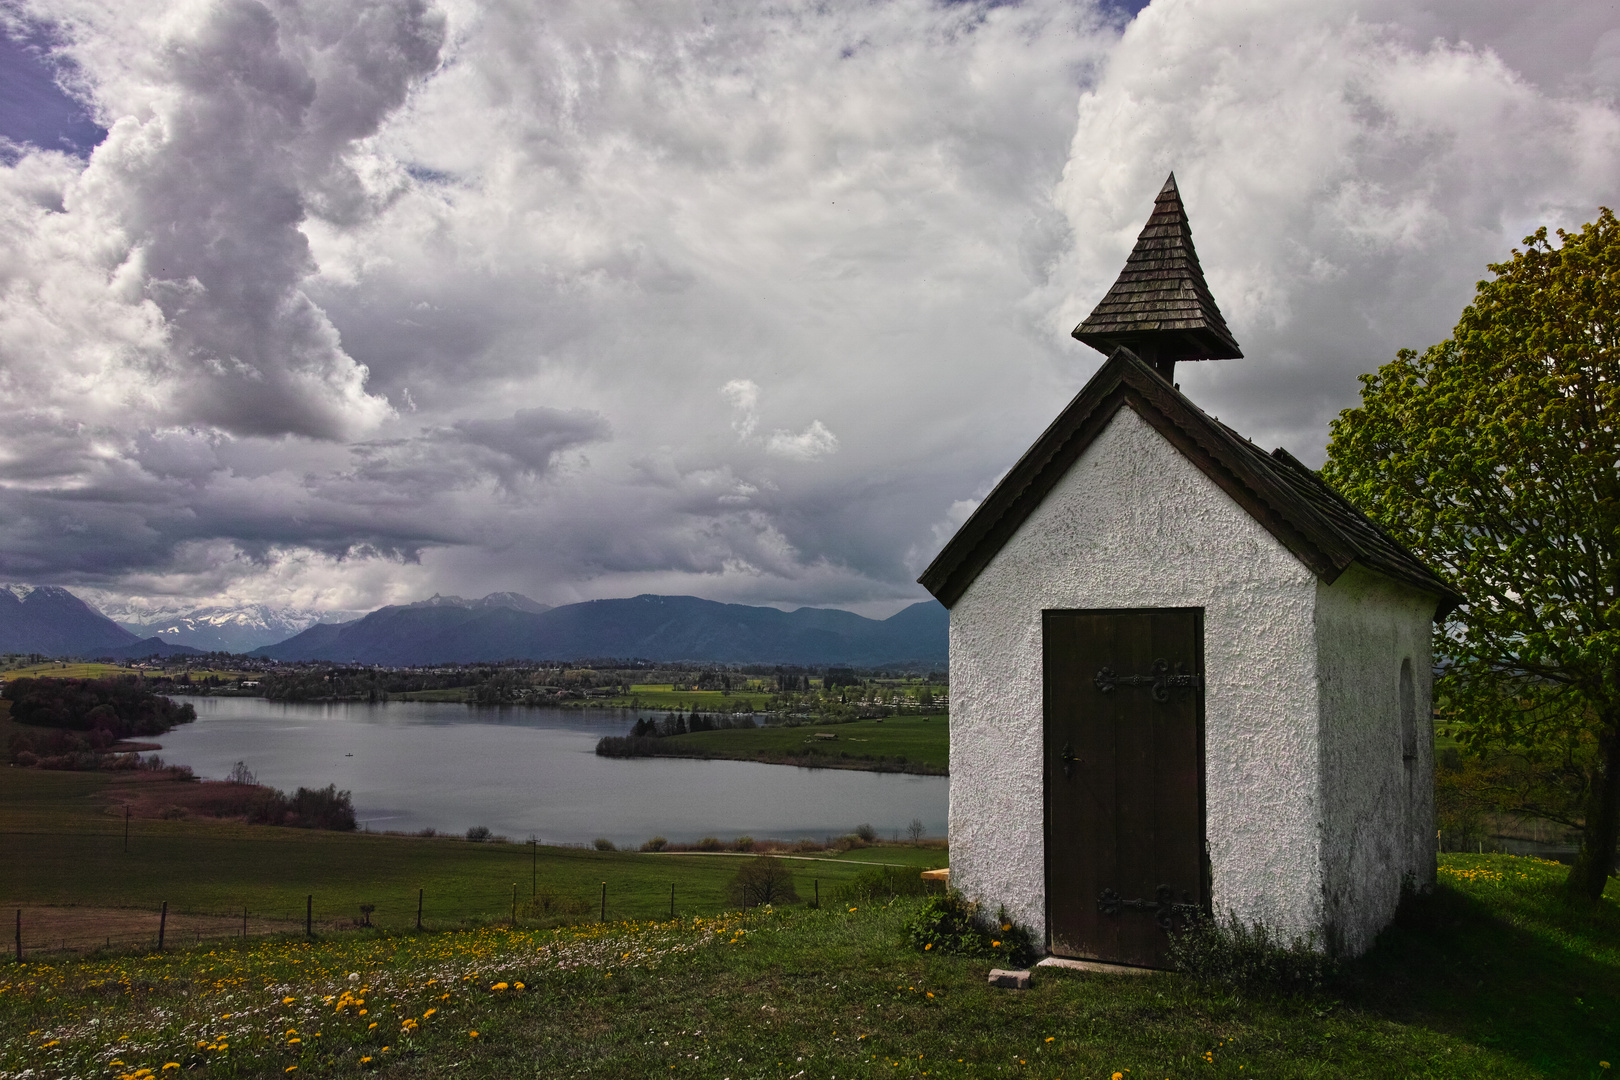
362, 300
813, 442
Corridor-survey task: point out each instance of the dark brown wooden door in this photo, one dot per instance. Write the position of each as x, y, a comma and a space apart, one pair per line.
1124, 780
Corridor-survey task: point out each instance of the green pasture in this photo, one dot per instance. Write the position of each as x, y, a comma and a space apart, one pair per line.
664, 696
61, 846
1490, 977
53, 669
921, 740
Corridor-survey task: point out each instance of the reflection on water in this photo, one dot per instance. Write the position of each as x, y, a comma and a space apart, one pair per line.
415, 765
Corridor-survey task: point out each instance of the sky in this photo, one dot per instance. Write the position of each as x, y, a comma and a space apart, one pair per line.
336, 304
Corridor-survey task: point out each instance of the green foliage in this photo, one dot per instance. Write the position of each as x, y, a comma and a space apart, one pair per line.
947, 923
106, 710
884, 883
1495, 456
1248, 957
602, 843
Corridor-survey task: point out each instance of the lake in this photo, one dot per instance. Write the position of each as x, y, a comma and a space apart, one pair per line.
521, 771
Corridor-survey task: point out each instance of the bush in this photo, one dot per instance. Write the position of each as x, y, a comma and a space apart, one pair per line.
866, 833
743, 843
478, 834
1248, 957
885, 883
765, 880
948, 923
657, 843
322, 808
709, 843
602, 843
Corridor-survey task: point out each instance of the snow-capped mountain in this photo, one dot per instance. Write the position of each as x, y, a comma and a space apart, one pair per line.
236, 629
50, 620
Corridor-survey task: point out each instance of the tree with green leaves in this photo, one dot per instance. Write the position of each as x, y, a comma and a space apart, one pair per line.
1495, 456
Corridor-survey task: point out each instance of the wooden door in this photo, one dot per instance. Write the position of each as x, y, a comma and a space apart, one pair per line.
1124, 738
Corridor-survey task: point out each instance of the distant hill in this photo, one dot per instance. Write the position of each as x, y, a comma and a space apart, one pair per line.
220, 628
140, 650
49, 620
662, 628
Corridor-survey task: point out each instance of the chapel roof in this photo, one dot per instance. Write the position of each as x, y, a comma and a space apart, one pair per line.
1160, 306
1314, 522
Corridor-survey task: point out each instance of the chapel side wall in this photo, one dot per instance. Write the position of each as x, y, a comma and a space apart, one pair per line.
1135, 524
1378, 825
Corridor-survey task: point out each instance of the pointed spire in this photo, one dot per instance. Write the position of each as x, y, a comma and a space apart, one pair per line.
1160, 307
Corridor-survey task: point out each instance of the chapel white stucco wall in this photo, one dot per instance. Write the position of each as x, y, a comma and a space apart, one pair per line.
1378, 821
1135, 524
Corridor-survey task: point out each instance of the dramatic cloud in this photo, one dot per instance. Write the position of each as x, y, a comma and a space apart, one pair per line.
357, 301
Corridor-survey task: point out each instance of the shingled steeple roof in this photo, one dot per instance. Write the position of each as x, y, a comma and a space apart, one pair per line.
1160, 308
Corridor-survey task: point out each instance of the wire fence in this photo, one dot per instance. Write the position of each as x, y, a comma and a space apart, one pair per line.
69, 929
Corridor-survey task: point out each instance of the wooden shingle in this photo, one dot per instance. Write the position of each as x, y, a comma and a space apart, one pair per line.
1160, 307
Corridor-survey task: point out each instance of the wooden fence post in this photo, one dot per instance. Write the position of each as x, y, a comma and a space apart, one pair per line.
163, 924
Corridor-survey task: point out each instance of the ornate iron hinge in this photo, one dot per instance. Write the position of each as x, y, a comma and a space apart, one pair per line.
1164, 906
1163, 680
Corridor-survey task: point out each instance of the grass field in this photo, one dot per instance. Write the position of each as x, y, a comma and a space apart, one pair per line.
664, 696
54, 669
920, 740
60, 846
1491, 977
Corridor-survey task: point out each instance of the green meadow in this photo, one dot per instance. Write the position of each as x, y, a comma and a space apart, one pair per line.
921, 742
1490, 977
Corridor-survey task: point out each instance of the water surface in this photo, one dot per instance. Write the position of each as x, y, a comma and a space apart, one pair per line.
522, 771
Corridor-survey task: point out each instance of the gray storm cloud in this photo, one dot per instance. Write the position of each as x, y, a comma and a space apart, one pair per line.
746, 301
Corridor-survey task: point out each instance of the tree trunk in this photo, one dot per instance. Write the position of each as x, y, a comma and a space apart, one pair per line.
1595, 862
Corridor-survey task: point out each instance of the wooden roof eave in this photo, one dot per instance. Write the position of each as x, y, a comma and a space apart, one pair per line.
1247, 475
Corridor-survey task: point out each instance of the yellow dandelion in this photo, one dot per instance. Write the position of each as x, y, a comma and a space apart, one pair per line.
365, 1060
517, 986
499, 986
288, 1000
928, 946
170, 1065
472, 1034
1049, 1038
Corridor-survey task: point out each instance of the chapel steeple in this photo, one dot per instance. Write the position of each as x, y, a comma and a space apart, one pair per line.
1160, 308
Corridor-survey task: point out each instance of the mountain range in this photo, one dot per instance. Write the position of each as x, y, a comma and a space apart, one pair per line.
237, 629
50, 620
663, 628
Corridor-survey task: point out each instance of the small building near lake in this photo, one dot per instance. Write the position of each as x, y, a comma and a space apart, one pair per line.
1186, 675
